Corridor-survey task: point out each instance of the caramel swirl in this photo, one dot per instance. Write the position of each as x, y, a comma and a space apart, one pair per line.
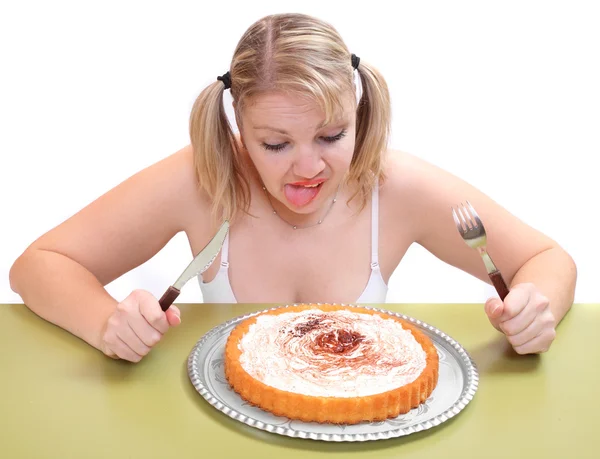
337, 341
339, 353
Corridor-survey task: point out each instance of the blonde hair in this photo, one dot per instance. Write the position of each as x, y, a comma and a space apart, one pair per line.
298, 54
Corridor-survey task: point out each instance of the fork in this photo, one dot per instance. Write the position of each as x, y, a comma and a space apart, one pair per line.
472, 231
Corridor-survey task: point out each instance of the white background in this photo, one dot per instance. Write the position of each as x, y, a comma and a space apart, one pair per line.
504, 94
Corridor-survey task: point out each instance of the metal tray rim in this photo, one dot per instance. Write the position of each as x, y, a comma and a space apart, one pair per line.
469, 390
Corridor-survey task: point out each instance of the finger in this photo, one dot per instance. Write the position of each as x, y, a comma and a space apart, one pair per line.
146, 333
539, 344
121, 349
109, 353
544, 321
528, 334
515, 302
154, 315
133, 341
520, 322
493, 309
534, 308
173, 316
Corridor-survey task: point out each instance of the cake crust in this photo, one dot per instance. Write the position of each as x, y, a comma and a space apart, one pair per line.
325, 409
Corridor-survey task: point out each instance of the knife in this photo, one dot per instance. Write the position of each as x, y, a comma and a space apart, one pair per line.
199, 264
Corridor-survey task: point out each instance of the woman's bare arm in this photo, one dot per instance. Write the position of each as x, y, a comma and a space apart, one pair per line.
522, 253
61, 276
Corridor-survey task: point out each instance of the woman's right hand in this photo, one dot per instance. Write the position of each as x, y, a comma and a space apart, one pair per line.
136, 325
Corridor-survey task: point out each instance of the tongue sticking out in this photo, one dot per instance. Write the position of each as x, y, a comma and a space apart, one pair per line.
301, 195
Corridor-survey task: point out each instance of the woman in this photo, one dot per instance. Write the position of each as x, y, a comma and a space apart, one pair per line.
320, 209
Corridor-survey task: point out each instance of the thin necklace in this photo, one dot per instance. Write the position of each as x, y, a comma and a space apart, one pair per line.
303, 227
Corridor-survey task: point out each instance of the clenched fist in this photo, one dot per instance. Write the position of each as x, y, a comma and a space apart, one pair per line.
525, 318
136, 325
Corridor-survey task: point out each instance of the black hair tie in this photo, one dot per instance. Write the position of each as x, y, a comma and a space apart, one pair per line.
226, 79
355, 61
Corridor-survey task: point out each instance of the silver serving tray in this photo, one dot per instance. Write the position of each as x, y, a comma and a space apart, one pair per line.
457, 384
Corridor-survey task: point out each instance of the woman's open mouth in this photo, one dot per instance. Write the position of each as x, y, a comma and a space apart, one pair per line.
301, 193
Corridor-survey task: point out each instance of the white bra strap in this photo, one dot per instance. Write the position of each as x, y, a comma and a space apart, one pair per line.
225, 252
375, 226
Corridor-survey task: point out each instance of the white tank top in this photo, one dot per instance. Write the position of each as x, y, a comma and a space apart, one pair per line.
219, 289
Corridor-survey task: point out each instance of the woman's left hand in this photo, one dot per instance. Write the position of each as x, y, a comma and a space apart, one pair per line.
525, 318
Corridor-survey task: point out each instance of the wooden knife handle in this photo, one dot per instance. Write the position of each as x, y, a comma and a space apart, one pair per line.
167, 299
499, 284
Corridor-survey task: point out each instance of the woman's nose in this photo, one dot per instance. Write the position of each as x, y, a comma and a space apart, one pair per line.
308, 163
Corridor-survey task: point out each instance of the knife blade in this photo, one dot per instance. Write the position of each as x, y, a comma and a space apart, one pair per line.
198, 265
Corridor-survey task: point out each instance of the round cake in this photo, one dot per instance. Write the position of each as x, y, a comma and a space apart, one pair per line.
331, 363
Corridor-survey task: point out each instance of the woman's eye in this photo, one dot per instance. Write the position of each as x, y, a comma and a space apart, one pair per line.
278, 147
334, 138
281, 146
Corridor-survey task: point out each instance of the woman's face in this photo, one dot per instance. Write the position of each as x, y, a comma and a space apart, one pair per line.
300, 161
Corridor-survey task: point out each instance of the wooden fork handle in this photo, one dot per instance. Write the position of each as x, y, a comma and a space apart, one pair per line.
499, 284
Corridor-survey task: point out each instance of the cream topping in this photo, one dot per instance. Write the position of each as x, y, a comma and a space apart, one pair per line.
331, 354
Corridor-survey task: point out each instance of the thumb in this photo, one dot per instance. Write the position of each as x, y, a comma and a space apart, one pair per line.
173, 316
494, 307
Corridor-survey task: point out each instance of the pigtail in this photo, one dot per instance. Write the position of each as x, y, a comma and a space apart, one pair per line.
373, 119
217, 160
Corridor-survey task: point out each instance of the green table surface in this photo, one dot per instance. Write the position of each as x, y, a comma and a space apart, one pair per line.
63, 399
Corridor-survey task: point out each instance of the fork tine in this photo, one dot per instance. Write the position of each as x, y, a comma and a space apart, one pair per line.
469, 216
457, 221
475, 215
465, 221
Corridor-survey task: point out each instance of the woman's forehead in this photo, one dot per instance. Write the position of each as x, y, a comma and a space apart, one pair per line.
276, 106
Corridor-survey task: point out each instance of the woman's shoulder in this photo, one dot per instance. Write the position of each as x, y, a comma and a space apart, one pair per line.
405, 177
414, 188
403, 169
175, 178
411, 179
